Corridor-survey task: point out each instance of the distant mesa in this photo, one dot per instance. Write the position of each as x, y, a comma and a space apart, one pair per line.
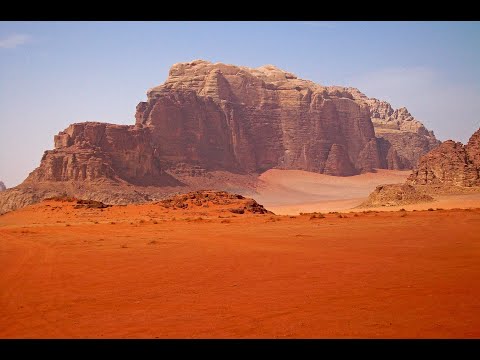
2, 186
219, 126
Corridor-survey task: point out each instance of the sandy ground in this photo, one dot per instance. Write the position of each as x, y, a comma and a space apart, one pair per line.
145, 272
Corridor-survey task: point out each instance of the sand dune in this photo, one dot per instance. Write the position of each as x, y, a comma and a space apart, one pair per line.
295, 191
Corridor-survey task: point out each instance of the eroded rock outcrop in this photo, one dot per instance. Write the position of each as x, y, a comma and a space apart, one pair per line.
450, 164
395, 195
234, 203
95, 151
2, 186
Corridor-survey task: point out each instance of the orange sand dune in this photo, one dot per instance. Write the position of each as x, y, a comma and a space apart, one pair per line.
291, 192
145, 272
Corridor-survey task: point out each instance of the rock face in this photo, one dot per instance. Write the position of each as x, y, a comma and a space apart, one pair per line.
216, 121
97, 152
234, 118
451, 164
2, 186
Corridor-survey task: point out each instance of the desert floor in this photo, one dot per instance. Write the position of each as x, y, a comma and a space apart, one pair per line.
147, 272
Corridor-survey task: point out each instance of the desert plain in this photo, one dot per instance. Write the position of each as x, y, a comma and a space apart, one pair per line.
147, 271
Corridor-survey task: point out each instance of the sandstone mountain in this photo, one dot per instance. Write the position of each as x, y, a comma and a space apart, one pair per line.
218, 126
2, 186
450, 164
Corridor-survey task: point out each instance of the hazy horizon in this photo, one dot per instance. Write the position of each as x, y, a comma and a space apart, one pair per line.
57, 73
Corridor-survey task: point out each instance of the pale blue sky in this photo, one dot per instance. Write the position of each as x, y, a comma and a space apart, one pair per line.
56, 73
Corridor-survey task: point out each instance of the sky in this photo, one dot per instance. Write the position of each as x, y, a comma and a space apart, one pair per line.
53, 74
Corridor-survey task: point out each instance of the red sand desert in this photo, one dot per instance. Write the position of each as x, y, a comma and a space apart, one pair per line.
143, 271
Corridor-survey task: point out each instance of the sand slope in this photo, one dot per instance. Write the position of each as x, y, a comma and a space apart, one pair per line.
142, 271
295, 191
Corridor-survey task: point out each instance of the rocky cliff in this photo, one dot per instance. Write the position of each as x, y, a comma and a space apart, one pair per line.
229, 117
98, 152
451, 164
213, 123
2, 186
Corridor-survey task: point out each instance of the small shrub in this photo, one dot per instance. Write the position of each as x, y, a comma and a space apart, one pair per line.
225, 221
155, 221
403, 215
112, 222
430, 209
402, 209
67, 225
356, 215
